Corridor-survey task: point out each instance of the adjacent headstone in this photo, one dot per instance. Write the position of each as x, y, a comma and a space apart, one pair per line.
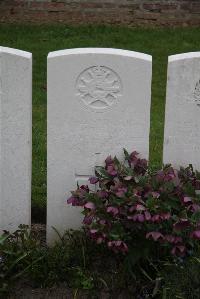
15, 137
182, 118
98, 104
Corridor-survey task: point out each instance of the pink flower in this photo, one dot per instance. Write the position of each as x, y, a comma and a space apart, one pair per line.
133, 158
178, 250
90, 206
113, 210
137, 217
181, 224
88, 220
121, 191
111, 170
159, 217
118, 246
82, 191
109, 160
93, 180
165, 216
173, 239
169, 238
186, 200
102, 222
93, 231
194, 207
196, 234
102, 194
147, 215
156, 236
137, 207
156, 218
73, 200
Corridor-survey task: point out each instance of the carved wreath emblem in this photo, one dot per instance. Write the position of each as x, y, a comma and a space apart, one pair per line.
99, 87
197, 93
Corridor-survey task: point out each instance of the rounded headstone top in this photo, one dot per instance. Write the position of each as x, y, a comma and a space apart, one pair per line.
183, 56
15, 52
106, 51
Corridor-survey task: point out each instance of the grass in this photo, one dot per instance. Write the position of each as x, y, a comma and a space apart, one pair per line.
42, 39
76, 267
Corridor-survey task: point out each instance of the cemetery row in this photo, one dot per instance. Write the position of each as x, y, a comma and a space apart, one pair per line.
98, 103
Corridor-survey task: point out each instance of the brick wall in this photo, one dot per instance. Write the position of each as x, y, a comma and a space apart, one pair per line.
131, 12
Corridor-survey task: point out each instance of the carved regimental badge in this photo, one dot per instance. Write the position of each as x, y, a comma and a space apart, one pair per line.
196, 94
99, 87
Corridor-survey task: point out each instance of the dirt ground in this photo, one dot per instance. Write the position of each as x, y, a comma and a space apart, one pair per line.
24, 290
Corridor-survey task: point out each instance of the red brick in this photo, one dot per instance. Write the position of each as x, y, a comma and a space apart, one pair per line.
91, 5
195, 8
130, 12
185, 6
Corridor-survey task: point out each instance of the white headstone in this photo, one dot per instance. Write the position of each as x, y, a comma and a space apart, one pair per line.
182, 117
98, 104
15, 137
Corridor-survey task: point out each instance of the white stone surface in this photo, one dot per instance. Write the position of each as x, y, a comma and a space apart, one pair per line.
15, 137
182, 117
98, 103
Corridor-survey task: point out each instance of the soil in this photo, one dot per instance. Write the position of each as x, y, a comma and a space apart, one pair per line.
24, 289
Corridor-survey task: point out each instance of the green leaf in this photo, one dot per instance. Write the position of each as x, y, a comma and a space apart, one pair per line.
3, 238
126, 154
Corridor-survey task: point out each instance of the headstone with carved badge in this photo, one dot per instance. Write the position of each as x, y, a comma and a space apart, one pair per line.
98, 104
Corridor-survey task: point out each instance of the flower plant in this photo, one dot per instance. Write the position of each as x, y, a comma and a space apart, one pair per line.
137, 209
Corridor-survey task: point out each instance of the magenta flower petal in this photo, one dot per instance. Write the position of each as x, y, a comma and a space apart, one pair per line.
178, 250
181, 224
71, 199
109, 160
173, 239
93, 231
102, 194
87, 220
141, 218
132, 208
93, 180
147, 215
196, 234
113, 210
156, 236
156, 218
102, 222
186, 200
165, 216
178, 240
74, 201
121, 191
169, 238
193, 208
118, 246
111, 170
90, 206
137, 217
139, 207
